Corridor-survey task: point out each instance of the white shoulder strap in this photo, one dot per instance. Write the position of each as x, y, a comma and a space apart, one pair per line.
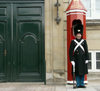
78, 44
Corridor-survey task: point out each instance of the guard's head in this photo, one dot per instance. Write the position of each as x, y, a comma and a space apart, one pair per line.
78, 29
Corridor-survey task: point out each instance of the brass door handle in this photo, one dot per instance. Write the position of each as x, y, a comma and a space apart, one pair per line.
5, 52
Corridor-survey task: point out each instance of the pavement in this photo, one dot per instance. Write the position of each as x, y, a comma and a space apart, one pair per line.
91, 86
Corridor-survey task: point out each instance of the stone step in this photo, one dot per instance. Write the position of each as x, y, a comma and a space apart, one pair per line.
93, 76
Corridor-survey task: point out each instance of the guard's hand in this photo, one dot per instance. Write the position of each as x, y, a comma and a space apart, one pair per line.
73, 63
86, 61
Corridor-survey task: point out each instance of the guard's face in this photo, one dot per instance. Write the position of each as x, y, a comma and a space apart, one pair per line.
78, 36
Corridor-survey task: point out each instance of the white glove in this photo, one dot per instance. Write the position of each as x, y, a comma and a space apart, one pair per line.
86, 61
73, 63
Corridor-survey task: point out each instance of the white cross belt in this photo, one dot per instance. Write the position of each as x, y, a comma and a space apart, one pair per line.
78, 44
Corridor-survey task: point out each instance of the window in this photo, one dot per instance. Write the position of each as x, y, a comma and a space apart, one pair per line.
93, 8
89, 64
94, 61
87, 5
98, 60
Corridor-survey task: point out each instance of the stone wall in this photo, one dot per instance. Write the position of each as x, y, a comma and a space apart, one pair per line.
93, 34
55, 42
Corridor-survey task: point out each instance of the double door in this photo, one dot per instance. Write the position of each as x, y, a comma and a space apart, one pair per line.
21, 42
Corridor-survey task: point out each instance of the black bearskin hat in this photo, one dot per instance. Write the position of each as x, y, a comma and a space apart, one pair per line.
78, 28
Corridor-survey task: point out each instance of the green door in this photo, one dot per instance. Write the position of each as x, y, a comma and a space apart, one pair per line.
22, 42
5, 39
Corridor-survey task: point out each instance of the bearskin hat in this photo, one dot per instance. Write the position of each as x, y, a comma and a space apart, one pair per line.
78, 28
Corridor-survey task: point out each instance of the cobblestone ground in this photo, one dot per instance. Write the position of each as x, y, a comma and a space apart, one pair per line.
92, 86
30, 87
89, 88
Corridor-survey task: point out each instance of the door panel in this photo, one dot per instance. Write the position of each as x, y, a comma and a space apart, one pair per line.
4, 39
3, 60
28, 32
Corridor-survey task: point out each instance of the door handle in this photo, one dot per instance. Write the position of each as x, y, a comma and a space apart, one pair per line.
5, 52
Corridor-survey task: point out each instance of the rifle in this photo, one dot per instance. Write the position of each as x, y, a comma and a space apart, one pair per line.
74, 77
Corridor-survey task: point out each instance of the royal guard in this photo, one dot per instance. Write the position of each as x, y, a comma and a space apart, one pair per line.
79, 56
